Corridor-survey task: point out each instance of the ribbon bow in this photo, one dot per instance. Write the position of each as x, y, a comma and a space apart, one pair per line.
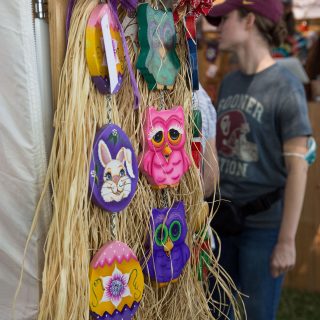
129, 6
189, 11
193, 8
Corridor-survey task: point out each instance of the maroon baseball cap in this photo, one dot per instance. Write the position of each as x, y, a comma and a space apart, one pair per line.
270, 9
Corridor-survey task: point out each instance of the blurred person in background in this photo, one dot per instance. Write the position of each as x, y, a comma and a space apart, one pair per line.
262, 135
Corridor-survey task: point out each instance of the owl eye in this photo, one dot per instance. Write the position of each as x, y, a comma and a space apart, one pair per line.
161, 234
175, 230
174, 136
158, 138
108, 176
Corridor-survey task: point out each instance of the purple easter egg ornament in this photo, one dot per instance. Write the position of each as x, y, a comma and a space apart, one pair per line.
113, 169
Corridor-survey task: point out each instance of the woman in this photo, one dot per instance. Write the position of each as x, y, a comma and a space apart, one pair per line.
262, 125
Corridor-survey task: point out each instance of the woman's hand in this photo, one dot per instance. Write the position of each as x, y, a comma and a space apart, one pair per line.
283, 258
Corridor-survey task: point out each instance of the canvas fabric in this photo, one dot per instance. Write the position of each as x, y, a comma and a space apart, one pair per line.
25, 136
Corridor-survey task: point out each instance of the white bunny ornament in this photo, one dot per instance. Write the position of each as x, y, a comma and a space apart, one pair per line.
114, 169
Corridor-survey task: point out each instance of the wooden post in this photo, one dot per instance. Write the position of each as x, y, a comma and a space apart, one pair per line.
57, 20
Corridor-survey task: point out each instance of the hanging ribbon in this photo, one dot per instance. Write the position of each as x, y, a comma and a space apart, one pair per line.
189, 11
71, 4
129, 6
193, 8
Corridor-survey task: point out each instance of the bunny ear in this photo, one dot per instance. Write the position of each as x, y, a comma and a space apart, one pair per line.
104, 153
121, 155
125, 155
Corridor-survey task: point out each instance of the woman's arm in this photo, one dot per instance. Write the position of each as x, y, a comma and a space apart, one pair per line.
210, 167
284, 253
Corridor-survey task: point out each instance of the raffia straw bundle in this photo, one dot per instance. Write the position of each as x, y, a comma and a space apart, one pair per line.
78, 228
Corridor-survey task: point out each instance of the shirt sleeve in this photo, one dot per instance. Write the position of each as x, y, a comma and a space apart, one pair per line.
208, 114
293, 114
212, 121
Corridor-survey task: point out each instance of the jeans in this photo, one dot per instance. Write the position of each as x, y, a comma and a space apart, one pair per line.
246, 258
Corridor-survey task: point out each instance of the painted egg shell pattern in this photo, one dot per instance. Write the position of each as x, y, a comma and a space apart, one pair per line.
116, 282
106, 67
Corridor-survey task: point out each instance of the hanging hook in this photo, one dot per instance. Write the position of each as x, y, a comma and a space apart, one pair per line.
162, 100
113, 226
109, 108
164, 202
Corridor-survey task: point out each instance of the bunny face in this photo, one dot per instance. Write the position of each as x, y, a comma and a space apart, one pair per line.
117, 173
113, 169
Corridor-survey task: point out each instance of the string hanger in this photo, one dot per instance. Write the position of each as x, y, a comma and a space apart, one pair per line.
162, 104
164, 201
109, 108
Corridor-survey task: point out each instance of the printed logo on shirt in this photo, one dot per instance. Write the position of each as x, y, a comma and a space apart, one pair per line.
242, 102
232, 142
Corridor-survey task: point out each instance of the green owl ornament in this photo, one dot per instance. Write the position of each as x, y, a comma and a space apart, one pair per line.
158, 61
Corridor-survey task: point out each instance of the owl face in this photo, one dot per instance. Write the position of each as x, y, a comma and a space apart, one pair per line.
169, 228
169, 252
164, 130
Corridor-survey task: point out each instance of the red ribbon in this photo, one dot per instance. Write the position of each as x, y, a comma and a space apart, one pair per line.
194, 8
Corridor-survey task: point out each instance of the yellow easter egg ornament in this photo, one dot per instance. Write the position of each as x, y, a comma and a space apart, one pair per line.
116, 282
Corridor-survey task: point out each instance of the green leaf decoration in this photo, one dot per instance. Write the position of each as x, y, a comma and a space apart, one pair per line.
113, 136
96, 169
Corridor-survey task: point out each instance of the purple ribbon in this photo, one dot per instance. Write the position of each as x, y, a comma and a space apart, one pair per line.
70, 7
128, 5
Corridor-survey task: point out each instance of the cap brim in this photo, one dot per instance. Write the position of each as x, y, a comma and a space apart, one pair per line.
219, 10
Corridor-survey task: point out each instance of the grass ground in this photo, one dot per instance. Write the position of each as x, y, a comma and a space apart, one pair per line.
299, 305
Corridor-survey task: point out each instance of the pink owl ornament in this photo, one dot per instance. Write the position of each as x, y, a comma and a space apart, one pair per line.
164, 160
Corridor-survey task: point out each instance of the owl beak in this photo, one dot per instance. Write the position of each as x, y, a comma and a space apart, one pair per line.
168, 246
166, 152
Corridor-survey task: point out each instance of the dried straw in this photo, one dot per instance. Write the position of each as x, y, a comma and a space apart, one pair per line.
78, 229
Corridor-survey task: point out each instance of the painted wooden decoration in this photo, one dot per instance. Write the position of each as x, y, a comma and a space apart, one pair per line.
196, 145
104, 50
196, 150
202, 245
169, 252
201, 255
164, 159
158, 61
113, 169
116, 282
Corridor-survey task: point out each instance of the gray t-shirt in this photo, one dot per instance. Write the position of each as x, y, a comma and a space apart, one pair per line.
256, 115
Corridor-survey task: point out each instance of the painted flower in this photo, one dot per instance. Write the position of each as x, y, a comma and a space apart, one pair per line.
115, 287
93, 174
